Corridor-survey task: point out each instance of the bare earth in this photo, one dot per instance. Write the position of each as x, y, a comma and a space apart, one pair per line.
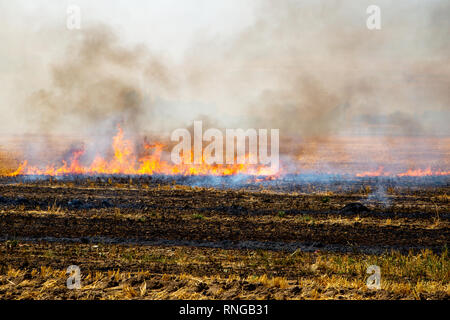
144, 238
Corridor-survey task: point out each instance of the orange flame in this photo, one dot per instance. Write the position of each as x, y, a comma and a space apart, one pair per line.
410, 173
423, 173
377, 173
125, 161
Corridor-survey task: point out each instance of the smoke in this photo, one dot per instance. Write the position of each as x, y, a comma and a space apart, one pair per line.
99, 83
309, 68
312, 68
378, 196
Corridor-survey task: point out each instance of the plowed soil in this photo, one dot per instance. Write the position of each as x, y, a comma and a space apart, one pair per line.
212, 232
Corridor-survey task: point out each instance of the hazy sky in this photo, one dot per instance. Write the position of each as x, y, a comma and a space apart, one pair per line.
170, 25
287, 64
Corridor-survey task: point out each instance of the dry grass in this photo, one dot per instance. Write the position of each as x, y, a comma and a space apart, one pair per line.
37, 270
274, 275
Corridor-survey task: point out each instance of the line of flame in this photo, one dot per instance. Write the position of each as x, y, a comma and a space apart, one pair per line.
126, 162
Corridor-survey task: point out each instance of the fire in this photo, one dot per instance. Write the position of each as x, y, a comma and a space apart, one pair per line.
125, 161
410, 173
377, 173
423, 173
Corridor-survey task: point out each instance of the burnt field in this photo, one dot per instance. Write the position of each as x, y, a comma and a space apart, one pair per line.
224, 238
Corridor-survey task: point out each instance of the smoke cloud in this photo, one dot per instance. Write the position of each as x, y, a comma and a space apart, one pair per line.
309, 68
